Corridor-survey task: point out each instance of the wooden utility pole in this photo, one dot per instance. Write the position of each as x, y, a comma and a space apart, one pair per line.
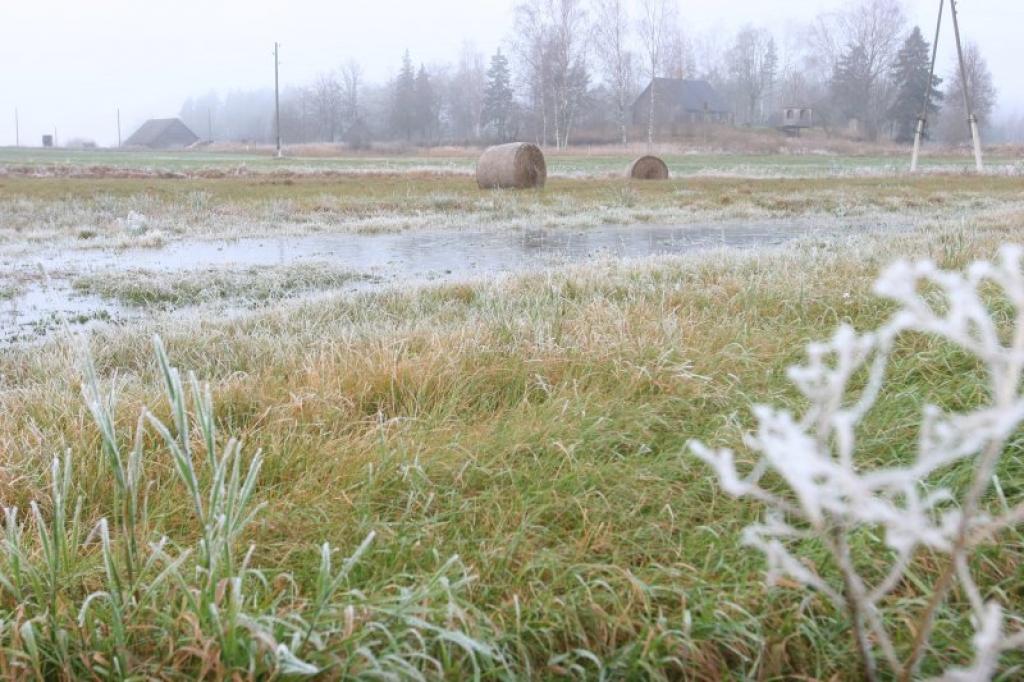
209, 124
17, 131
277, 103
119, 127
922, 120
972, 120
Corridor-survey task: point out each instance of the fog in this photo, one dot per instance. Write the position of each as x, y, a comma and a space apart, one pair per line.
69, 65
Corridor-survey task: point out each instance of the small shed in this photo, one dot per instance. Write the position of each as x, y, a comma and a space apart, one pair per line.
795, 119
162, 133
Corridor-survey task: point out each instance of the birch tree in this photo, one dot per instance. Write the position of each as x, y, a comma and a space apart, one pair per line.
656, 18
551, 45
611, 40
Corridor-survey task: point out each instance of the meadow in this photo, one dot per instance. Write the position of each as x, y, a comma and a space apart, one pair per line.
504, 459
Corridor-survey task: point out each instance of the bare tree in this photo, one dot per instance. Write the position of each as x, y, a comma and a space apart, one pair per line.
708, 54
551, 45
753, 62
611, 40
656, 18
465, 94
871, 31
953, 125
679, 59
327, 103
567, 62
351, 86
529, 48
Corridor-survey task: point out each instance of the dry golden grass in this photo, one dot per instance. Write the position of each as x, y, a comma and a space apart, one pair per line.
535, 427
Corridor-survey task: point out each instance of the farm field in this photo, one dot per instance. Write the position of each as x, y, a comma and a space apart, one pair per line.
460, 161
497, 388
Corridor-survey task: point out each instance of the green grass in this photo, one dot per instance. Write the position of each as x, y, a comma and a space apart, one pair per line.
98, 212
254, 285
463, 161
536, 429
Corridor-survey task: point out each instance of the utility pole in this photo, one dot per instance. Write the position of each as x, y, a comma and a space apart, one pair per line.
922, 120
277, 103
209, 124
119, 127
17, 131
972, 120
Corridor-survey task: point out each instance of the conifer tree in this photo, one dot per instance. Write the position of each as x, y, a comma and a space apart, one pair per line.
851, 85
910, 80
403, 101
424, 106
499, 99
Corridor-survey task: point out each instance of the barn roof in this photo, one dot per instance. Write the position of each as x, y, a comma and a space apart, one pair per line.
691, 95
162, 132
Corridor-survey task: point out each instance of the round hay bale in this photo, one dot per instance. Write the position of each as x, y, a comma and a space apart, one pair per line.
515, 165
648, 168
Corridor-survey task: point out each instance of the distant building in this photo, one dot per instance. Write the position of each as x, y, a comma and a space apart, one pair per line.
162, 133
679, 101
795, 119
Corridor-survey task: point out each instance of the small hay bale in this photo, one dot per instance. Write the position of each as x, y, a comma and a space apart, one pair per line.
515, 165
647, 168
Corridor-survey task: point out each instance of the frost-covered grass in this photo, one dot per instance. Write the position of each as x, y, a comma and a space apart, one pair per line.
535, 427
92, 213
576, 162
251, 285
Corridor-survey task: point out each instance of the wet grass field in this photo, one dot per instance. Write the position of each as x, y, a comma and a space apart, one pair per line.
515, 441
600, 162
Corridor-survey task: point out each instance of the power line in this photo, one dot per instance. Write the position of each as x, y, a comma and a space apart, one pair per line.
277, 103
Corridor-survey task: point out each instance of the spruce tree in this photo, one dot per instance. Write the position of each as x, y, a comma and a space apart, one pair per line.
425, 106
403, 100
910, 79
851, 85
499, 100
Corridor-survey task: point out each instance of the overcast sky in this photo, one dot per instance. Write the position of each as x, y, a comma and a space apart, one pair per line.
70, 63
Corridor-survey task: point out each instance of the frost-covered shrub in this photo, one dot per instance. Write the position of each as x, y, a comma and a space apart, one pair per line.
823, 491
133, 224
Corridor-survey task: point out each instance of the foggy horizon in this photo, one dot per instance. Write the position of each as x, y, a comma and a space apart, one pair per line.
75, 65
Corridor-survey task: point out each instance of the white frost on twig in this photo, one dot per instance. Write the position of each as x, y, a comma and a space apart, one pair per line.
829, 493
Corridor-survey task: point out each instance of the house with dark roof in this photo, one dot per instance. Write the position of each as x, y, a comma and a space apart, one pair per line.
162, 133
680, 101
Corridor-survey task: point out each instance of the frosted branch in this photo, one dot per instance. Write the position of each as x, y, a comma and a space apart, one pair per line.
830, 490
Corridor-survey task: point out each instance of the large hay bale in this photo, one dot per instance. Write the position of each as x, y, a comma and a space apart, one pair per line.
647, 168
515, 165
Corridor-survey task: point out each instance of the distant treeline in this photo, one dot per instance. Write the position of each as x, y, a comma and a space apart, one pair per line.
571, 70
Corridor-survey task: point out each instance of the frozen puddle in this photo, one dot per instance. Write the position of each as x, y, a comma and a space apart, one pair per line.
392, 259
